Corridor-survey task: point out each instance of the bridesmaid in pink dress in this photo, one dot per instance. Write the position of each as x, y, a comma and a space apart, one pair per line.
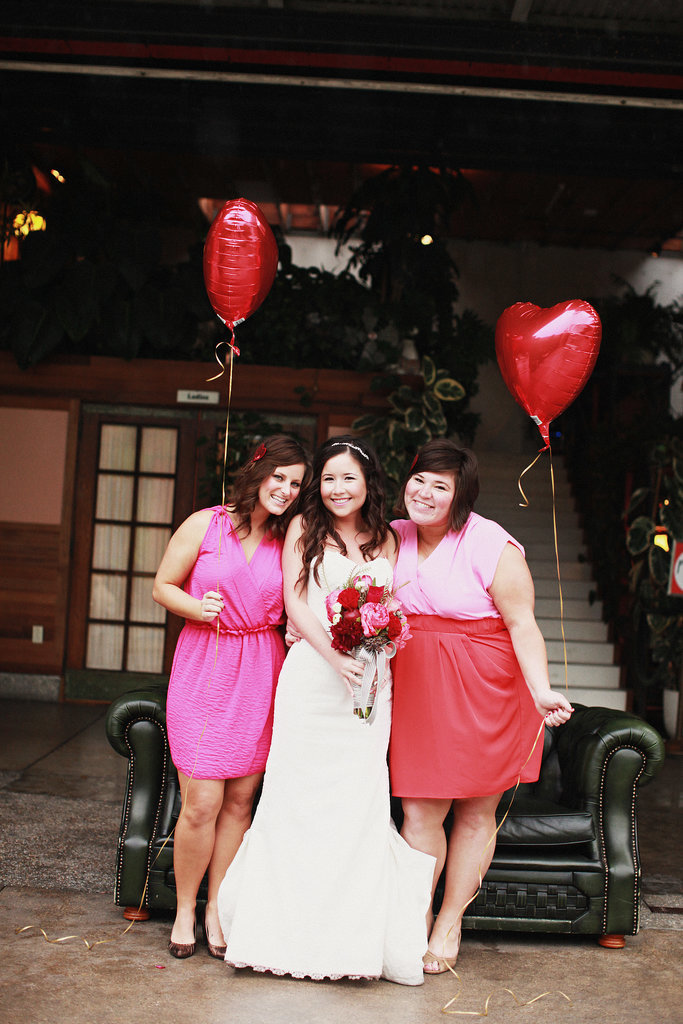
471, 688
222, 572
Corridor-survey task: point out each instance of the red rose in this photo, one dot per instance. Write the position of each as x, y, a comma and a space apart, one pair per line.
394, 628
375, 595
351, 616
348, 598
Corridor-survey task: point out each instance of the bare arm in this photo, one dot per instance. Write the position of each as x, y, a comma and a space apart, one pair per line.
175, 567
512, 591
303, 619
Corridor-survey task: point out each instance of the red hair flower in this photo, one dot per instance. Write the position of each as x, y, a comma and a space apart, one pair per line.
259, 453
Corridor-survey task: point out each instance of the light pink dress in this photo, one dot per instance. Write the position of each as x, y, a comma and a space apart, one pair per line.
219, 710
464, 722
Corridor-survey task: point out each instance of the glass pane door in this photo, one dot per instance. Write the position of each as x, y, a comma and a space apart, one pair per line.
135, 492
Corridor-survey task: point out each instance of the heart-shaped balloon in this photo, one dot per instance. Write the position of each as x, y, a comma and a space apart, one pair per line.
240, 261
547, 355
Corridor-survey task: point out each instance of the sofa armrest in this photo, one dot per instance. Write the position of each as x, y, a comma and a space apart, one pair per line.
604, 756
136, 729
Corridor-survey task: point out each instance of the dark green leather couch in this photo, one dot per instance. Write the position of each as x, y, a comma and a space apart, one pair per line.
566, 856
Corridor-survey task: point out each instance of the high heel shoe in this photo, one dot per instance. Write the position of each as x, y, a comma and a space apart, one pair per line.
182, 950
217, 951
444, 963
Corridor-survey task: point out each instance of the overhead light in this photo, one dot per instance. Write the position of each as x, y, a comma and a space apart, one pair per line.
60, 177
426, 240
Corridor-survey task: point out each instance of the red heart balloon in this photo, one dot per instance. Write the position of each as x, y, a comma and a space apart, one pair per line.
240, 261
547, 355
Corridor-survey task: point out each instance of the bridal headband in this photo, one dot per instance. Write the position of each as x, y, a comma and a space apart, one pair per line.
347, 444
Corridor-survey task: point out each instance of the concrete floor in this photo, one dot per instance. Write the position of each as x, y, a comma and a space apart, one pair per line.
60, 793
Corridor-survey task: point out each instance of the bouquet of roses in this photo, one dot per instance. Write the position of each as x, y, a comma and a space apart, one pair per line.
366, 621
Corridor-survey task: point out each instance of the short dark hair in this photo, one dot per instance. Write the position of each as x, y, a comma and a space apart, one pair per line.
277, 450
440, 455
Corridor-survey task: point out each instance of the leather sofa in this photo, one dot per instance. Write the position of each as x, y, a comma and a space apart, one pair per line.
566, 857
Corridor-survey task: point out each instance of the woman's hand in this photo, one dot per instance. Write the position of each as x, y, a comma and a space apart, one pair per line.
292, 634
554, 707
348, 668
211, 605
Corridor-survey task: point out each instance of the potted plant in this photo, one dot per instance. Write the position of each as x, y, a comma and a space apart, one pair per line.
654, 521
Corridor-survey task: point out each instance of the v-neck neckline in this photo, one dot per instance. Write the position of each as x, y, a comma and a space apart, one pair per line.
233, 531
419, 564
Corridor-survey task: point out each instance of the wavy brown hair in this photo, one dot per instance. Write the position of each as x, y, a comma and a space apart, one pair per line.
278, 450
443, 456
318, 522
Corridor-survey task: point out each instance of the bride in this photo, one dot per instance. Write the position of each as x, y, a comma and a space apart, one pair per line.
322, 885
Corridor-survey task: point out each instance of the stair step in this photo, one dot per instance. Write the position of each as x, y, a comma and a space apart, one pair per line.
529, 532
544, 551
579, 590
581, 652
549, 608
597, 677
584, 630
544, 568
593, 698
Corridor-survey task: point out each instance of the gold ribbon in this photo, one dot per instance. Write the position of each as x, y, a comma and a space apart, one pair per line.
525, 504
492, 837
485, 1011
229, 343
99, 942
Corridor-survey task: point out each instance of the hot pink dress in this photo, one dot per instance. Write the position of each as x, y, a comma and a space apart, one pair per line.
464, 723
219, 711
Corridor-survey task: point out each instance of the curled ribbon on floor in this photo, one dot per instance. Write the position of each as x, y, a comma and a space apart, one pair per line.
485, 1011
66, 938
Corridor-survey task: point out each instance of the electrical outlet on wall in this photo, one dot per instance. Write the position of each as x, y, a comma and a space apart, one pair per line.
37, 634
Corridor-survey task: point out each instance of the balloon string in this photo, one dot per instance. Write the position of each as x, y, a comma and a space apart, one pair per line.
525, 503
229, 344
459, 916
559, 577
484, 1013
99, 942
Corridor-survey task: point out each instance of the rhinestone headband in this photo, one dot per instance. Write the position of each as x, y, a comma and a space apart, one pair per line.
347, 444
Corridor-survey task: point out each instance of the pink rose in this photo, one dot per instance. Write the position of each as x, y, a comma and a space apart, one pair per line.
374, 618
331, 600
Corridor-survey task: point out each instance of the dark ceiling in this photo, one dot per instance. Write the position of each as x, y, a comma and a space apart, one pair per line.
568, 122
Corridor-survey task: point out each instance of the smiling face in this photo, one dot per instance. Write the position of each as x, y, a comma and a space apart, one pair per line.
281, 488
429, 497
342, 486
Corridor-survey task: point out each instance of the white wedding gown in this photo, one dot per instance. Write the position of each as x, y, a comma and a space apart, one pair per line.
322, 885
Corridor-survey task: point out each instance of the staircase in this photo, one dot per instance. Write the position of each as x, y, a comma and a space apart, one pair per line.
592, 677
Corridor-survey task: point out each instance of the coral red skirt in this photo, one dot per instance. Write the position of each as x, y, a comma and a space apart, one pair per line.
464, 723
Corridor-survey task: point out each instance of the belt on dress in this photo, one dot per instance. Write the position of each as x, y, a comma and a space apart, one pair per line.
442, 624
242, 631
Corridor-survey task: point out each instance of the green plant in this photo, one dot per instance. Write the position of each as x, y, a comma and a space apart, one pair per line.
416, 414
654, 520
397, 226
637, 329
94, 282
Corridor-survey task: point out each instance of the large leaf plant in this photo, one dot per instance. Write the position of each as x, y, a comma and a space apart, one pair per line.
654, 522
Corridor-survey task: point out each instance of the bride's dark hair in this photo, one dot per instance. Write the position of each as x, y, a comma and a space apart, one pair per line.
318, 522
